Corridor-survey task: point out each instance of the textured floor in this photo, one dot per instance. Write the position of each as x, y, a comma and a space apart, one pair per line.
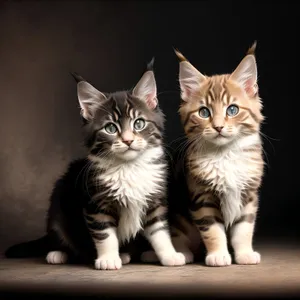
277, 275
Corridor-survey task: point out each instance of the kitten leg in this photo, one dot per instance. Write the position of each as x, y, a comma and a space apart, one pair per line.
56, 257
184, 233
207, 217
125, 258
103, 229
157, 233
61, 246
242, 235
180, 243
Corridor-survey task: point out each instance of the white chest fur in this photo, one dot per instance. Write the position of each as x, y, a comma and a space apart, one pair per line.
132, 183
230, 170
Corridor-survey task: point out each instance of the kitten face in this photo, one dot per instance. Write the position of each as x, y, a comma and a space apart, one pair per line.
222, 108
122, 124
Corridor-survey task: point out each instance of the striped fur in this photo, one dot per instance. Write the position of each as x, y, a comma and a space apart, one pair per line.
224, 162
118, 193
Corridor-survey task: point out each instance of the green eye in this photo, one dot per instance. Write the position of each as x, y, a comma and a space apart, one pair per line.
204, 112
232, 110
139, 124
111, 128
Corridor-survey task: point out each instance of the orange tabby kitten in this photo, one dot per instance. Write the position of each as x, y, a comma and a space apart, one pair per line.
221, 116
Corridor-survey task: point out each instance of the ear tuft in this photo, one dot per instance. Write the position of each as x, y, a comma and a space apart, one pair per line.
252, 49
146, 89
89, 99
246, 75
150, 65
180, 55
190, 78
77, 77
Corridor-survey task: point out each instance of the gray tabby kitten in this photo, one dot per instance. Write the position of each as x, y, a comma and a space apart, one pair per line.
105, 200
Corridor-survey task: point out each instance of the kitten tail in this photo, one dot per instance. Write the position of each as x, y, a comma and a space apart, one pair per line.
35, 248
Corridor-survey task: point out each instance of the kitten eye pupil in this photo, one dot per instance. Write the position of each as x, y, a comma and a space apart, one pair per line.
139, 124
204, 112
232, 110
111, 128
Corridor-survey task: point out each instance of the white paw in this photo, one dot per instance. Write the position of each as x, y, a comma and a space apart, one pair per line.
149, 256
172, 259
108, 262
125, 258
189, 256
218, 259
247, 258
56, 257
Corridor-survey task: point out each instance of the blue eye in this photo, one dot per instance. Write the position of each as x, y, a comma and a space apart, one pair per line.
139, 124
232, 110
111, 128
204, 112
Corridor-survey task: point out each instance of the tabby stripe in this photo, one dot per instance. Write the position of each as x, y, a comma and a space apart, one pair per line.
211, 95
198, 205
250, 127
223, 98
131, 113
88, 218
202, 194
192, 128
251, 113
116, 111
188, 117
101, 225
165, 227
155, 220
208, 221
250, 218
94, 209
153, 209
155, 124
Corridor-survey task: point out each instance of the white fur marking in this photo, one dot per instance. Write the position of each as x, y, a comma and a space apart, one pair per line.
229, 170
108, 252
56, 257
132, 183
164, 249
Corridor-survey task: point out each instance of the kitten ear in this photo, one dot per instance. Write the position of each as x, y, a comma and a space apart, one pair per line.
89, 97
246, 73
146, 87
190, 79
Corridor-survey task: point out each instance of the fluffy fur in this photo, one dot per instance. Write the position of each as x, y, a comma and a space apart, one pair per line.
221, 116
116, 194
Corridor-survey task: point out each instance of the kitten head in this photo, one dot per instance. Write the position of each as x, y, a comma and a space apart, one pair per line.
220, 109
122, 124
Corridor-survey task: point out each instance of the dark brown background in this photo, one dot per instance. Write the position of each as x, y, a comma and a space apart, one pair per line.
110, 43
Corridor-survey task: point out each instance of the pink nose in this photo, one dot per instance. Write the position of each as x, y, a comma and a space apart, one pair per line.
128, 142
219, 128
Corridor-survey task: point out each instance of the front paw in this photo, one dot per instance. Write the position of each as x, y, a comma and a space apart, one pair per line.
172, 259
108, 262
218, 259
125, 258
189, 256
247, 258
56, 257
